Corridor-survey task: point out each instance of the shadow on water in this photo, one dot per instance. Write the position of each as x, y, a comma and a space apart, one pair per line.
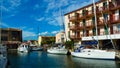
39, 59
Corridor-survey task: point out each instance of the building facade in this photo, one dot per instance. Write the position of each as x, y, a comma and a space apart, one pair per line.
60, 37
80, 24
45, 40
11, 37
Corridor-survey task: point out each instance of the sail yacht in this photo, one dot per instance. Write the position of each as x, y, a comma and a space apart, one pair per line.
60, 49
94, 53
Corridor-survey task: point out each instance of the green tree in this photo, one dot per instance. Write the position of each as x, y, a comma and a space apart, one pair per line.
69, 44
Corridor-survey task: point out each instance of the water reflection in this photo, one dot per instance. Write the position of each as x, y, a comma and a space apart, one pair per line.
92, 63
39, 59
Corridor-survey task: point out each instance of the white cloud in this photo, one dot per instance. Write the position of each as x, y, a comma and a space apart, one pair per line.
15, 3
28, 34
4, 25
44, 33
40, 19
54, 32
65, 5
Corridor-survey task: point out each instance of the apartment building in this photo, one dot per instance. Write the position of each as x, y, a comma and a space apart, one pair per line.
11, 37
60, 37
82, 26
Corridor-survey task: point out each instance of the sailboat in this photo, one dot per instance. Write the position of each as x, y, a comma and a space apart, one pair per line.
60, 49
94, 53
23, 48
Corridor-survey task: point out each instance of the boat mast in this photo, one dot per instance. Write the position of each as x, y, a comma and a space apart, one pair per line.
1, 22
104, 19
96, 23
62, 26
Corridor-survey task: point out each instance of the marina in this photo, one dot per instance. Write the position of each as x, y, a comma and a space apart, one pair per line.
65, 34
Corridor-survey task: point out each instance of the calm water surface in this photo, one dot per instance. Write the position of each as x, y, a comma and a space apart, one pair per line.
39, 59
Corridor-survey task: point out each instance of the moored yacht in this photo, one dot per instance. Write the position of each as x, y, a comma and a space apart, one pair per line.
23, 48
57, 50
94, 54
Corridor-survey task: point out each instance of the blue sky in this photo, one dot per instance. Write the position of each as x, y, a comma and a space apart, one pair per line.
35, 17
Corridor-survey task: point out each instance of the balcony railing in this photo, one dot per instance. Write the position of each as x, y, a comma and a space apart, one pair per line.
73, 27
75, 37
103, 9
89, 25
116, 32
73, 18
115, 19
114, 6
76, 27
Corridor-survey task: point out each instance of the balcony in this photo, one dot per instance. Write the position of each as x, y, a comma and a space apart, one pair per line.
116, 32
103, 9
75, 37
103, 22
80, 27
115, 19
89, 14
114, 6
89, 25
74, 18
77, 27
73, 27
81, 17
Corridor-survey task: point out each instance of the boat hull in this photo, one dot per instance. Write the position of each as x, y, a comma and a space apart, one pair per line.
22, 49
57, 51
94, 54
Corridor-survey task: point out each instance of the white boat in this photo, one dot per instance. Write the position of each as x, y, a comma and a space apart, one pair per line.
94, 54
57, 50
23, 48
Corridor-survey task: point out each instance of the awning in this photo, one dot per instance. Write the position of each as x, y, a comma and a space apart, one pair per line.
90, 42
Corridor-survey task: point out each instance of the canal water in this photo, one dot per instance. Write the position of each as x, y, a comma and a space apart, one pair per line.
41, 59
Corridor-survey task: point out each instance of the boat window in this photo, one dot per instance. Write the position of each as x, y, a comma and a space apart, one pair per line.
89, 51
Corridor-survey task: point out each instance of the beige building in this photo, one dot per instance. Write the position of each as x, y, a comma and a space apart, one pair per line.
60, 37
45, 39
80, 24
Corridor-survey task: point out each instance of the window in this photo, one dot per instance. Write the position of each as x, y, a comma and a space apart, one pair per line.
105, 16
68, 16
106, 30
69, 34
4, 38
105, 5
94, 31
83, 12
93, 20
84, 22
68, 25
